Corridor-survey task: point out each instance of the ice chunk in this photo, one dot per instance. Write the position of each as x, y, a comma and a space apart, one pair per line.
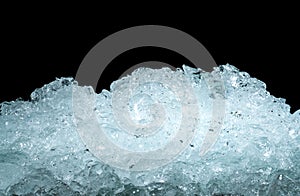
255, 152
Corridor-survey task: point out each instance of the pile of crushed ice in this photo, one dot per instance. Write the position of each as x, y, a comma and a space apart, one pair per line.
255, 151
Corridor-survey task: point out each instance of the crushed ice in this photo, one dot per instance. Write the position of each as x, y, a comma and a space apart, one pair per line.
257, 150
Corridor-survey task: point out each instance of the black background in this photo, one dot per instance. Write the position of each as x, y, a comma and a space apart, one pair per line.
36, 49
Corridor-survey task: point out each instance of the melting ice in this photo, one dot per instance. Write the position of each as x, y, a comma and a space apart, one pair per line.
255, 151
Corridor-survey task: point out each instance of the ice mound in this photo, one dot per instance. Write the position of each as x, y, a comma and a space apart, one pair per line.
256, 150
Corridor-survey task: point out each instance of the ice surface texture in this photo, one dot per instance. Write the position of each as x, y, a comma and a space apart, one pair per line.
256, 152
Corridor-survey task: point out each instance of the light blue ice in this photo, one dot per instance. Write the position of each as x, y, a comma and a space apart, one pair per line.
256, 150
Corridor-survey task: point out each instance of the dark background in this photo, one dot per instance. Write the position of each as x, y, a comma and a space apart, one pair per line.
36, 50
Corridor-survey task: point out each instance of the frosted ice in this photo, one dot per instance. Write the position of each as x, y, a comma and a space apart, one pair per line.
257, 151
